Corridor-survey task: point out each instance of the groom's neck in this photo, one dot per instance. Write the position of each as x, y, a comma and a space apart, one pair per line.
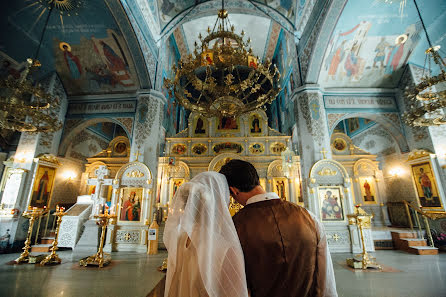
244, 196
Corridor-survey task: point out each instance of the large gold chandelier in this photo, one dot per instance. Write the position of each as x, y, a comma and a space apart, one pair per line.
223, 78
426, 103
25, 106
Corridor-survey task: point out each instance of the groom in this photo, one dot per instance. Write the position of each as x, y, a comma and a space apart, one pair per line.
284, 246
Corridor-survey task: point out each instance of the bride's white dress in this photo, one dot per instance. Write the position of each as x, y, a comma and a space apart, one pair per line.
212, 264
186, 280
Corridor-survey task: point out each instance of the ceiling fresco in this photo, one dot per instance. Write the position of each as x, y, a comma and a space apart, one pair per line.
160, 14
84, 45
373, 40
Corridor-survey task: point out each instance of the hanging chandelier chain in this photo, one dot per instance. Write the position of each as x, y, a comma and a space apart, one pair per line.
422, 23
51, 8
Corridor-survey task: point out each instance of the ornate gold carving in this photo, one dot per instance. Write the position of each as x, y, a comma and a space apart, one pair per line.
417, 154
135, 174
199, 149
234, 207
256, 148
435, 214
227, 147
327, 172
179, 149
277, 147
49, 159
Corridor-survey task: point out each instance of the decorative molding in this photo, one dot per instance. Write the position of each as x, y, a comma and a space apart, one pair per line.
418, 154
145, 118
135, 173
327, 172
128, 236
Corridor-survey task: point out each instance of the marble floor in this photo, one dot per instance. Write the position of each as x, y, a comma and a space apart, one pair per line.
135, 275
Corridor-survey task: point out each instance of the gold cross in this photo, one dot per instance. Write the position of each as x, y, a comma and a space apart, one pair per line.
323, 152
336, 237
127, 236
137, 154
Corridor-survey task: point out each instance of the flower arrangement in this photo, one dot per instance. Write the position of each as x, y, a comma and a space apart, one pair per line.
439, 240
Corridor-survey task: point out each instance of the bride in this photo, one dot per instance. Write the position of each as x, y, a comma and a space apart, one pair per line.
205, 255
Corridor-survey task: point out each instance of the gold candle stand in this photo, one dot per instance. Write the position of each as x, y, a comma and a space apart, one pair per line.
100, 258
364, 260
53, 258
32, 214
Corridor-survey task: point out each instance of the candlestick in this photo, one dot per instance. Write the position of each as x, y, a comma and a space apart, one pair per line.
100, 258
361, 219
53, 258
32, 213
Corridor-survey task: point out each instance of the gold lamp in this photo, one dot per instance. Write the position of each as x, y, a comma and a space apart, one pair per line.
25, 106
223, 78
426, 103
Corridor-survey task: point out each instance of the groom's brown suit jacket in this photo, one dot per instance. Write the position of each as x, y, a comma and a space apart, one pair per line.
280, 246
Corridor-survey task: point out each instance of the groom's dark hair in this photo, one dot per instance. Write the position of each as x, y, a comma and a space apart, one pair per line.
241, 175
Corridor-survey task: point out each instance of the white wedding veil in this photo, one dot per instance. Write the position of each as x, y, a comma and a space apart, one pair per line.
200, 209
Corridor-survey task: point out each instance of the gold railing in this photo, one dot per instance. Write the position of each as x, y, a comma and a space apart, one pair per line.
426, 215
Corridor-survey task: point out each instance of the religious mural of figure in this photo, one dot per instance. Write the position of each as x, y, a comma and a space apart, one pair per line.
255, 126
117, 65
42, 186
99, 75
280, 187
176, 185
380, 50
72, 61
114, 61
331, 209
353, 63
227, 123
426, 184
395, 55
131, 208
368, 192
353, 124
199, 129
136, 210
337, 58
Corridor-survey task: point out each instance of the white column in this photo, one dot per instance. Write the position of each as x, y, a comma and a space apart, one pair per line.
147, 131
313, 133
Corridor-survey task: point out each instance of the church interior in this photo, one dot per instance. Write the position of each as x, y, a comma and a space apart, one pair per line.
108, 106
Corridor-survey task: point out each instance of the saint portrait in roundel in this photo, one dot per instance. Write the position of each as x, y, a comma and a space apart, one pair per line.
339, 144
120, 147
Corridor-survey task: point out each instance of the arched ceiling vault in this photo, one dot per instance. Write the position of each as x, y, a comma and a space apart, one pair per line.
90, 44
366, 43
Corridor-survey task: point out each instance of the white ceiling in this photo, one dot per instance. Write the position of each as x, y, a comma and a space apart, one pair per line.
255, 27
